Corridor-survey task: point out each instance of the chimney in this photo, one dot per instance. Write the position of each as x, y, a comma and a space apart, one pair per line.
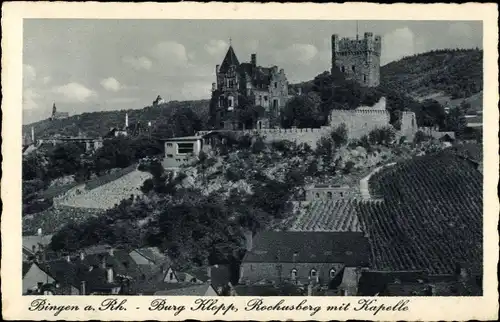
253, 59
126, 120
209, 273
109, 275
82, 256
82, 288
248, 239
464, 274
68, 258
309, 289
214, 87
33, 134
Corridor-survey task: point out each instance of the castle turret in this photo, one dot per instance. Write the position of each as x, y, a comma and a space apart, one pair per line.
359, 60
253, 59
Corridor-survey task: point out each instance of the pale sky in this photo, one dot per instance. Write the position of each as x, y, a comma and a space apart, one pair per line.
92, 65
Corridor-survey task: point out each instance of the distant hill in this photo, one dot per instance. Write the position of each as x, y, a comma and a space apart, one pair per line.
99, 123
443, 75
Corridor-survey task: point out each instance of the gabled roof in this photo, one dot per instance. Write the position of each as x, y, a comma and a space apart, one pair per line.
229, 60
192, 290
349, 248
219, 275
153, 254
373, 282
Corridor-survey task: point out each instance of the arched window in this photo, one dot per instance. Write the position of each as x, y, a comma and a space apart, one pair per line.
293, 274
353, 68
343, 69
317, 195
313, 273
332, 272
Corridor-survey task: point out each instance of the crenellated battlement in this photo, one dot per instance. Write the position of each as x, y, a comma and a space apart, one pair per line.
358, 59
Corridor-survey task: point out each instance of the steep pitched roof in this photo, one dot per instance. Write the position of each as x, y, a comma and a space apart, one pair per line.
219, 275
349, 248
229, 60
373, 282
195, 290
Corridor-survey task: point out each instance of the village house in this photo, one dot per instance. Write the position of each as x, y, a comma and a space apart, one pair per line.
34, 244
305, 258
34, 277
327, 192
190, 290
216, 276
182, 151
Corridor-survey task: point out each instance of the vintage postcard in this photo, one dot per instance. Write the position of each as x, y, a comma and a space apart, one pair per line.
249, 161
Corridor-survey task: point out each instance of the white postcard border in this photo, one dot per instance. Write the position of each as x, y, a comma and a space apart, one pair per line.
16, 306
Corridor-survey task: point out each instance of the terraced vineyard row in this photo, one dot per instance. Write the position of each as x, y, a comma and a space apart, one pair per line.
431, 217
328, 215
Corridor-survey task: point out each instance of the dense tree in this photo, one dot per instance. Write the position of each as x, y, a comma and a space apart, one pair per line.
301, 112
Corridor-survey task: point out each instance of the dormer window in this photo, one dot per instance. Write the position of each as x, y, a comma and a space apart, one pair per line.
313, 273
332, 272
293, 274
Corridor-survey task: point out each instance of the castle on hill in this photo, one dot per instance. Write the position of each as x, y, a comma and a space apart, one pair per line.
266, 87
358, 59
58, 115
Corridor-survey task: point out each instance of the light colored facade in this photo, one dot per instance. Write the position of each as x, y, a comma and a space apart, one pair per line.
181, 151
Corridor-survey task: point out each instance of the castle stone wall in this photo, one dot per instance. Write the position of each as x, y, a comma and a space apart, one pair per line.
308, 135
408, 125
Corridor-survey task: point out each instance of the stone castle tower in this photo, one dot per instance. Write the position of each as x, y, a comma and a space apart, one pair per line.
358, 59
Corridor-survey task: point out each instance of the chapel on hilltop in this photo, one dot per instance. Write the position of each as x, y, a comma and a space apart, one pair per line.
58, 115
263, 86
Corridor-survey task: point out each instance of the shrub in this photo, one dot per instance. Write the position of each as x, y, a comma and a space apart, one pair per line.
147, 186
339, 135
420, 137
384, 136
258, 146
348, 167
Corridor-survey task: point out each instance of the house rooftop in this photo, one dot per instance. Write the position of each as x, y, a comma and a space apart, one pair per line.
193, 290
183, 138
349, 248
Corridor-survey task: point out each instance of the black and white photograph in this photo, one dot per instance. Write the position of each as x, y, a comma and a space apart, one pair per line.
252, 157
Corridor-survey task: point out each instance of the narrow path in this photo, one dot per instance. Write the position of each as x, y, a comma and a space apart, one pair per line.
364, 183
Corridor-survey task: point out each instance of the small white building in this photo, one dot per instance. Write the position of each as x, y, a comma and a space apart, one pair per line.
182, 150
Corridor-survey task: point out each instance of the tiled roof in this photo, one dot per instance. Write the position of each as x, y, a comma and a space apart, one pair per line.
26, 267
192, 290
373, 282
153, 254
30, 241
268, 290
329, 215
229, 60
349, 248
219, 276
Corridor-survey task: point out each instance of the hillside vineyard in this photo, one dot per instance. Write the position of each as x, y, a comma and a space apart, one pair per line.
430, 216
